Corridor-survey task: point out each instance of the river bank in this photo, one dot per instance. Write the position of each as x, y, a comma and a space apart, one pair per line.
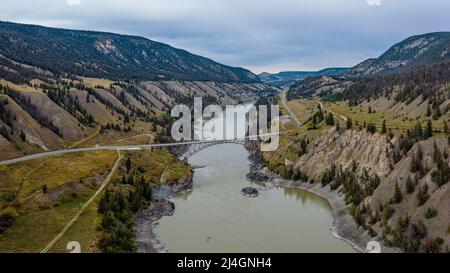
147, 219
344, 227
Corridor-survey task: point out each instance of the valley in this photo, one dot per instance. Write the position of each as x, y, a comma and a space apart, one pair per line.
382, 142
87, 153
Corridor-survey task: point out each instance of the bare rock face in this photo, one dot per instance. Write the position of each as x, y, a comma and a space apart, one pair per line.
409, 206
289, 164
369, 151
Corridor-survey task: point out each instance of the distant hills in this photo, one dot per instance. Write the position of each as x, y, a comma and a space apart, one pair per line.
107, 55
287, 78
414, 52
415, 57
60, 88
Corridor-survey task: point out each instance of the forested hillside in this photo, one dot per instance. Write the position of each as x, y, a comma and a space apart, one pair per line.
107, 55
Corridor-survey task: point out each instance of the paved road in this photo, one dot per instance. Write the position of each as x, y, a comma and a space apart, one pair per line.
83, 208
286, 106
112, 148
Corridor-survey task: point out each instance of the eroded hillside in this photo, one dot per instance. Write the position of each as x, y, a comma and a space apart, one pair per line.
42, 111
383, 143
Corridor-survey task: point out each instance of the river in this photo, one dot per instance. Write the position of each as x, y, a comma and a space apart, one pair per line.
216, 217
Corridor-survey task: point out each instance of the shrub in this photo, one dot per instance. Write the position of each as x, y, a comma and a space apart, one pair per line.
422, 195
388, 213
7, 218
430, 213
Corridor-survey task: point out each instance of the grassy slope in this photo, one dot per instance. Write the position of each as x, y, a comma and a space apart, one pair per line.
42, 216
396, 117
290, 134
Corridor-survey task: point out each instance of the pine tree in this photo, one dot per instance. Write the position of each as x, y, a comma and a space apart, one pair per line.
128, 164
397, 194
383, 129
418, 131
422, 195
349, 123
303, 147
410, 185
330, 119
22, 135
419, 152
436, 113
428, 130
436, 152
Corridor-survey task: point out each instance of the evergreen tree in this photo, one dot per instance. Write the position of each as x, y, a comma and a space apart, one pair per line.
383, 129
436, 113
397, 194
410, 185
128, 164
104, 204
436, 152
22, 135
418, 131
349, 123
330, 120
371, 128
422, 195
428, 130
303, 147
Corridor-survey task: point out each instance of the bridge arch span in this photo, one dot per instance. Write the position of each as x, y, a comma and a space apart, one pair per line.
198, 147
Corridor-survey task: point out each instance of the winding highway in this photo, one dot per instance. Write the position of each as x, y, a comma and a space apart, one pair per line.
286, 106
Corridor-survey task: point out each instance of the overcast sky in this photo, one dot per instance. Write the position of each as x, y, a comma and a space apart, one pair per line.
261, 35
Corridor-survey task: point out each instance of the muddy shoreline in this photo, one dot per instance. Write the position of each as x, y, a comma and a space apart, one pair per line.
344, 227
147, 218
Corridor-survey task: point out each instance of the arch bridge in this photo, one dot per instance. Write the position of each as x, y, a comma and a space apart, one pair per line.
195, 148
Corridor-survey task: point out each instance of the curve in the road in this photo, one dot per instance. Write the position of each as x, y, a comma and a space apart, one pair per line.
286, 106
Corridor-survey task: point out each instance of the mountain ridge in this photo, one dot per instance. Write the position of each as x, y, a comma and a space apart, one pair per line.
413, 52
284, 78
110, 55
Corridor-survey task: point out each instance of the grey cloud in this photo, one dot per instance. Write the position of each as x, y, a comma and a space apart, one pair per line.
261, 35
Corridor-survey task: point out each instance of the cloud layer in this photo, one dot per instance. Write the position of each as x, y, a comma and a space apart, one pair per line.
374, 2
73, 2
269, 35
